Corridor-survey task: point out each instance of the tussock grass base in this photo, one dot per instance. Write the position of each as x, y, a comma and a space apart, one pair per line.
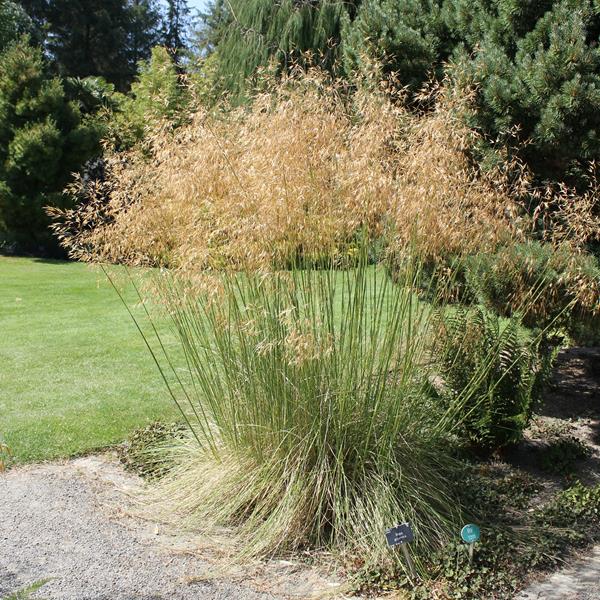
313, 422
282, 507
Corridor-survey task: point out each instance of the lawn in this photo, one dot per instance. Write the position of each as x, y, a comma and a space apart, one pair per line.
75, 373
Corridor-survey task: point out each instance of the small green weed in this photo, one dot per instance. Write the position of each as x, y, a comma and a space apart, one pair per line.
26, 592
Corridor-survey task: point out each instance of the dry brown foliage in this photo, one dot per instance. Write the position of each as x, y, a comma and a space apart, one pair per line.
442, 205
295, 176
565, 217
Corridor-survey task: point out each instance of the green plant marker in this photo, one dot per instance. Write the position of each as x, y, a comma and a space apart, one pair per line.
470, 534
401, 535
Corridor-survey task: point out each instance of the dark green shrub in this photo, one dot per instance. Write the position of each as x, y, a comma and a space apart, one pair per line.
14, 22
536, 67
546, 286
44, 137
405, 38
495, 365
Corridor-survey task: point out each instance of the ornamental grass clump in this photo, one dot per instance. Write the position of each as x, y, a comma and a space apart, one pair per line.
295, 176
313, 420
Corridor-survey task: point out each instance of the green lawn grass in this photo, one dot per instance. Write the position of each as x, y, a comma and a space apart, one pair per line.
75, 374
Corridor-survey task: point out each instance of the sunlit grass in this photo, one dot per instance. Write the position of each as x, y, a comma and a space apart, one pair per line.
313, 420
75, 374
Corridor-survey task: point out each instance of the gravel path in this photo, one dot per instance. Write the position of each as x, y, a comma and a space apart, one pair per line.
575, 398
68, 522
580, 581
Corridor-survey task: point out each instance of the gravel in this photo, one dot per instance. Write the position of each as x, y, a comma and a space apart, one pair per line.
74, 524
68, 523
579, 581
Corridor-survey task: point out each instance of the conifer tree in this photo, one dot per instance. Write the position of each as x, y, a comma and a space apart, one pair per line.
536, 66
156, 95
44, 137
406, 38
176, 24
14, 22
103, 38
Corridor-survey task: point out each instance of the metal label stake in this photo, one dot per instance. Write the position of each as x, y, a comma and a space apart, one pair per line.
401, 535
470, 534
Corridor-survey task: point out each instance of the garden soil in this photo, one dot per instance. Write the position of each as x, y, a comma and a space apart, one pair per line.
574, 399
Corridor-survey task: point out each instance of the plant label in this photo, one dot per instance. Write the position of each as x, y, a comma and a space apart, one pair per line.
401, 534
470, 533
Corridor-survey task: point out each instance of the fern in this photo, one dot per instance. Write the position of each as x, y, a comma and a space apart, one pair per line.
495, 365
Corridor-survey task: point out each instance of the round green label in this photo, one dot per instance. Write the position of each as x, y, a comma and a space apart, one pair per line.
470, 533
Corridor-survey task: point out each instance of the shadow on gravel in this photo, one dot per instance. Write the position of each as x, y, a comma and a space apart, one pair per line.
567, 424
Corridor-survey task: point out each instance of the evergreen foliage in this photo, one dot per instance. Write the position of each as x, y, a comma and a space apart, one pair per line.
408, 39
157, 94
176, 24
210, 27
535, 64
14, 22
545, 285
98, 37
45, 135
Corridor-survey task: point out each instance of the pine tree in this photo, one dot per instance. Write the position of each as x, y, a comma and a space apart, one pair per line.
144, 31
406, 38
156, 95
176, 24
103, 38
209, 29
44, 137
536, 66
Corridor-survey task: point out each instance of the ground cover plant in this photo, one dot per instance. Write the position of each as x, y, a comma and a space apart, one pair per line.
53, 315
518, 543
